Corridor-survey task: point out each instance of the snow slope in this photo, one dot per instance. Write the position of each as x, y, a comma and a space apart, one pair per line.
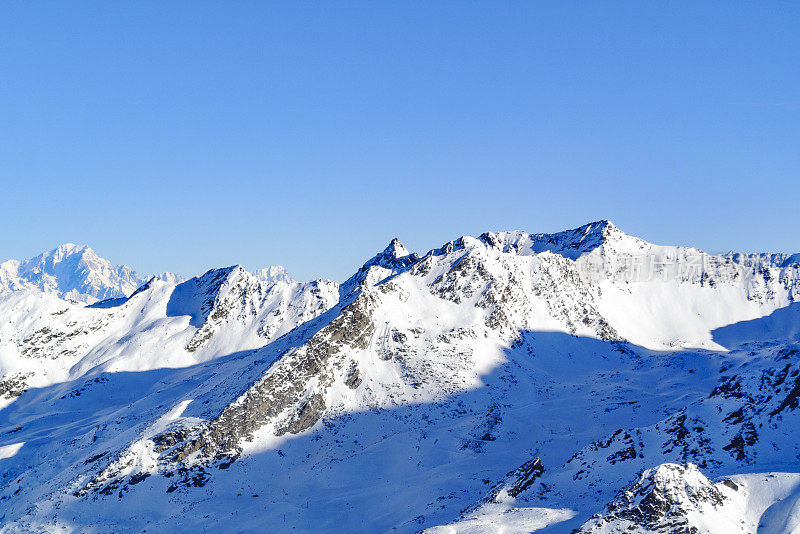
521, 381
46, 340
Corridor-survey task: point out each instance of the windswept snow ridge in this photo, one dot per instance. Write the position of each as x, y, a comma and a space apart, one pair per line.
585, 380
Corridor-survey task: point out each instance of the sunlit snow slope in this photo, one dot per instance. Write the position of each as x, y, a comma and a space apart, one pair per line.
580, 380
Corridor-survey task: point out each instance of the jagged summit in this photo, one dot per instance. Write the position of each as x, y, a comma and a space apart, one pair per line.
395, 249
670, 498
63, 252
274, 273
66, 249
395, 253
393, 259
569, 243
74, 272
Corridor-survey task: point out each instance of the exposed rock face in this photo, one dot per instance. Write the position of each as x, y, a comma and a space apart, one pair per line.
13, 386
291, 395
353, 380
512, 485
666, 499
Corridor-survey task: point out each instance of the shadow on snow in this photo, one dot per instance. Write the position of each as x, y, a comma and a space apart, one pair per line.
402, 467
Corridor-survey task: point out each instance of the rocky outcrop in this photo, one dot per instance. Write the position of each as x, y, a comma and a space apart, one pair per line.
13, 385
667, 499
291, 394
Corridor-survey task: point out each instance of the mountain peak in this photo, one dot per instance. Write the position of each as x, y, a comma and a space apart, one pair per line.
395, 249
394, 258
274, 273
664, 498
70, 271
602, 226
603, 222
66, 250
568, 243
70, 248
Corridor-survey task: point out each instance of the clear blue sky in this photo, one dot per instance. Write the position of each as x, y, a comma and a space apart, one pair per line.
184, 135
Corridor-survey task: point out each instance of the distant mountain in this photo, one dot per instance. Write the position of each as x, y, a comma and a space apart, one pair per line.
585, 381
72, 272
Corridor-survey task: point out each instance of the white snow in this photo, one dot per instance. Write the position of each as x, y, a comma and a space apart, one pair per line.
603, 355
7, 451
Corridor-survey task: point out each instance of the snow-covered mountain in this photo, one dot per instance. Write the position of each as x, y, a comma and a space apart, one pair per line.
72, 272
581, 380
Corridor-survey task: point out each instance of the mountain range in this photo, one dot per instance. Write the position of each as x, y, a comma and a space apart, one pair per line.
583, 381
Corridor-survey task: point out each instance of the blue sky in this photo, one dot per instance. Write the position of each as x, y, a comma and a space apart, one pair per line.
185, 135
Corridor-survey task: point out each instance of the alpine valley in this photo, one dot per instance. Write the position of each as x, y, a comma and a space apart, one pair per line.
584, 381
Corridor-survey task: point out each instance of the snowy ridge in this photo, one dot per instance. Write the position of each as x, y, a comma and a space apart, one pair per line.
162, 324
523, 381
571, 243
